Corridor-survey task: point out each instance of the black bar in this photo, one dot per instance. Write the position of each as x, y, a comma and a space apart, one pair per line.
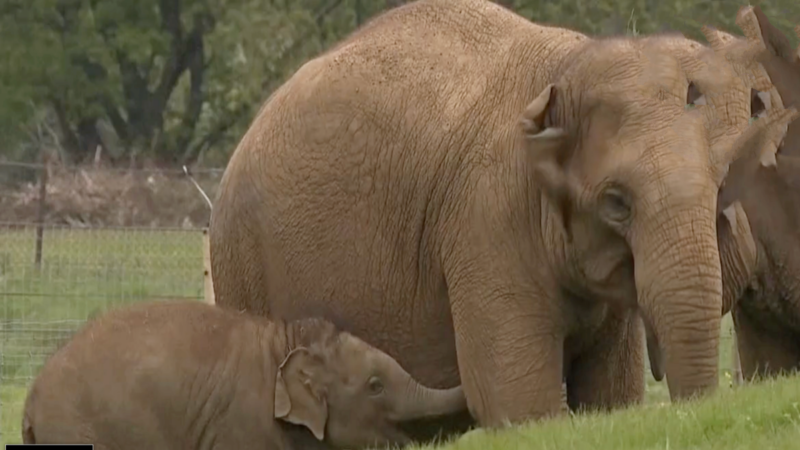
51, 446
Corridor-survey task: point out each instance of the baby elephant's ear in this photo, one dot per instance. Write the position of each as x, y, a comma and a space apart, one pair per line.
298, 397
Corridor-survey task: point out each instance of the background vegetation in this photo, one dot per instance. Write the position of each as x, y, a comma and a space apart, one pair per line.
178, 81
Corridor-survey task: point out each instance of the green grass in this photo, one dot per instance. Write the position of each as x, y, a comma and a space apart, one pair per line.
762, 416
12, 399
84, 272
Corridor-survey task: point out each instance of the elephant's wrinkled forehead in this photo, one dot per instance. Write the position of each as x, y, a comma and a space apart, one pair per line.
351, 349
626, 71
682, 138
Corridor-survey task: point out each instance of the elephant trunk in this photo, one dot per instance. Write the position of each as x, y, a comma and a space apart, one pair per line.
678, 278
415, 401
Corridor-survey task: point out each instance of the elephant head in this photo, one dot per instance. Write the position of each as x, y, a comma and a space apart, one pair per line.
631, 153
353, 395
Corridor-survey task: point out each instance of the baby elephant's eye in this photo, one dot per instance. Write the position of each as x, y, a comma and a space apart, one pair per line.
375, 386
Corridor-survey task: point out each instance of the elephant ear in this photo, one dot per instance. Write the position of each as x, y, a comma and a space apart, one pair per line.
738, 253
547, 150
298, 397
718, 39
755, 25
760, 137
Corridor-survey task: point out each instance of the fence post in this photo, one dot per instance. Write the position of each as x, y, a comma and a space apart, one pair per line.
208, 281
40, 213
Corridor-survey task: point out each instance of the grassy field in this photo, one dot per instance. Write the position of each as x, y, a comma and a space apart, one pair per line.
765, 416
84, 272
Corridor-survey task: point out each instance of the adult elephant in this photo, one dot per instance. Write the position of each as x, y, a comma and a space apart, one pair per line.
508, 196
766, 301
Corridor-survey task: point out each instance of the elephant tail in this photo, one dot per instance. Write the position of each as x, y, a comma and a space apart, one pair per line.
27, 430
28, 436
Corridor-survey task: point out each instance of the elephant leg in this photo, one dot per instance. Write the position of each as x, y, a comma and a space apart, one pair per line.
763, 352
509, 345
610, 374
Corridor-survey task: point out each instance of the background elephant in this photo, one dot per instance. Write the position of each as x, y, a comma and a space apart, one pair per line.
766, 310
181, 374
488, 200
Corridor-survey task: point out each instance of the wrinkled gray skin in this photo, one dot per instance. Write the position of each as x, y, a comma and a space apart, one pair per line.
190, 375
489, 201
766, 310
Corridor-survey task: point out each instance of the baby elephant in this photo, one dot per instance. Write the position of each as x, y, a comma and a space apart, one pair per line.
180, 374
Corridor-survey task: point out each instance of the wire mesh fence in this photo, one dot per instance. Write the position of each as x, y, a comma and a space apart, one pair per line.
81, 273
77, 241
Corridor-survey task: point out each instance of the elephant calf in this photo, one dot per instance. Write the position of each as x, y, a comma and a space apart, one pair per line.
182, 374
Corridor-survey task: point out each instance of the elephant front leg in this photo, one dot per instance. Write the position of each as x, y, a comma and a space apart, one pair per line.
610, 373
763, 352
509, 346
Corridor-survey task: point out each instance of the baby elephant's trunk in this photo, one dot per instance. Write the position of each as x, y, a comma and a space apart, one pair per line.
426, 402
418, 402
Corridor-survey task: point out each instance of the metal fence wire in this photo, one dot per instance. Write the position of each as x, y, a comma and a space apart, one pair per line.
80, 272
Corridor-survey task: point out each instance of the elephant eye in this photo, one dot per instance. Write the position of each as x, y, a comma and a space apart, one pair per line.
375, 386
693, 96
615, 205
757, 106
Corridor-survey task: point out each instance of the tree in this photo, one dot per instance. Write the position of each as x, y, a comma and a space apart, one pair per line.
163, 79
177, 81
107, 61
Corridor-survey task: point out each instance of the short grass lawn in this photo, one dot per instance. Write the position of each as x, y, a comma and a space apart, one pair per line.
765, 416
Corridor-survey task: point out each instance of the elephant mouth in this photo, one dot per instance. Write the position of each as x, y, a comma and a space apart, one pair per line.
396, 436
654, 353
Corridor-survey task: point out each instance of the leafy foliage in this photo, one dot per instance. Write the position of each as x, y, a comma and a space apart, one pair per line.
178, 81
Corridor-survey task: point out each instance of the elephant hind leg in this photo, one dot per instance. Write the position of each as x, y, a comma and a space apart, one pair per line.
610, 373
763, 352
